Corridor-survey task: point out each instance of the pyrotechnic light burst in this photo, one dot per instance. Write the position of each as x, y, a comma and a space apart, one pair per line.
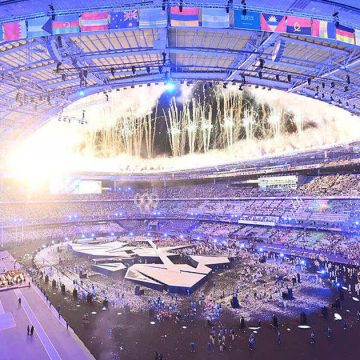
222, 125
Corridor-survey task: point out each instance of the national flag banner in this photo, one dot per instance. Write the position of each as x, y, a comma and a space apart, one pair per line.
357, 37
323, 29
15, 30
298, 25
186, 17
272, 22
66, 24
38, 27
345, 34
94, 21
249, 21
149, 18
124, 19
215, 18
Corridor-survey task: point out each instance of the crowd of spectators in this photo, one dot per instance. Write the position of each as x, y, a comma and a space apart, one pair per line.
12, 278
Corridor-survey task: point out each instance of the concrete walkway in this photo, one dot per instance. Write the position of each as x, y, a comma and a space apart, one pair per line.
51, 339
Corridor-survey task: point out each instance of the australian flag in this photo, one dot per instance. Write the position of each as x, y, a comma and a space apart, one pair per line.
124, 19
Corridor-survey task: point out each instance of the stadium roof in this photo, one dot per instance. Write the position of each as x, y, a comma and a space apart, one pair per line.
41, 75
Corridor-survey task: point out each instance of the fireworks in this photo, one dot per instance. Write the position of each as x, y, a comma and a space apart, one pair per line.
124, 130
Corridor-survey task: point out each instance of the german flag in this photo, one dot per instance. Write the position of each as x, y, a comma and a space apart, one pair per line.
345, 34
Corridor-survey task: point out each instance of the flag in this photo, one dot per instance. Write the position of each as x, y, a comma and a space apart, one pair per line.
66, 24
345, 34
187, 17
273, 23
15, 30
298, 25
152, 18
214, 18
124, 19
249, 21
323, 29
357, 37
94, 21
39, 27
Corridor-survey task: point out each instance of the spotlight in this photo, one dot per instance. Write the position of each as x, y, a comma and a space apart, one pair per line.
170, 86
81, 93
133, 69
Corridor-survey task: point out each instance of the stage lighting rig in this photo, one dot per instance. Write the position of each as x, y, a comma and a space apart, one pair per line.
229, 4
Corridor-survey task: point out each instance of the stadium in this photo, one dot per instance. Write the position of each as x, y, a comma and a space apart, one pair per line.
179, 179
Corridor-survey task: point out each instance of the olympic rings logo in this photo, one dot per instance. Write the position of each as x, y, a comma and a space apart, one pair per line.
146, 202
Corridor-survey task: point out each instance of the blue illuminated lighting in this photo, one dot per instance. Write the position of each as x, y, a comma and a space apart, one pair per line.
302, 262
338, 284
281, 255
261, 249
131, 234
81, 93
170, 86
